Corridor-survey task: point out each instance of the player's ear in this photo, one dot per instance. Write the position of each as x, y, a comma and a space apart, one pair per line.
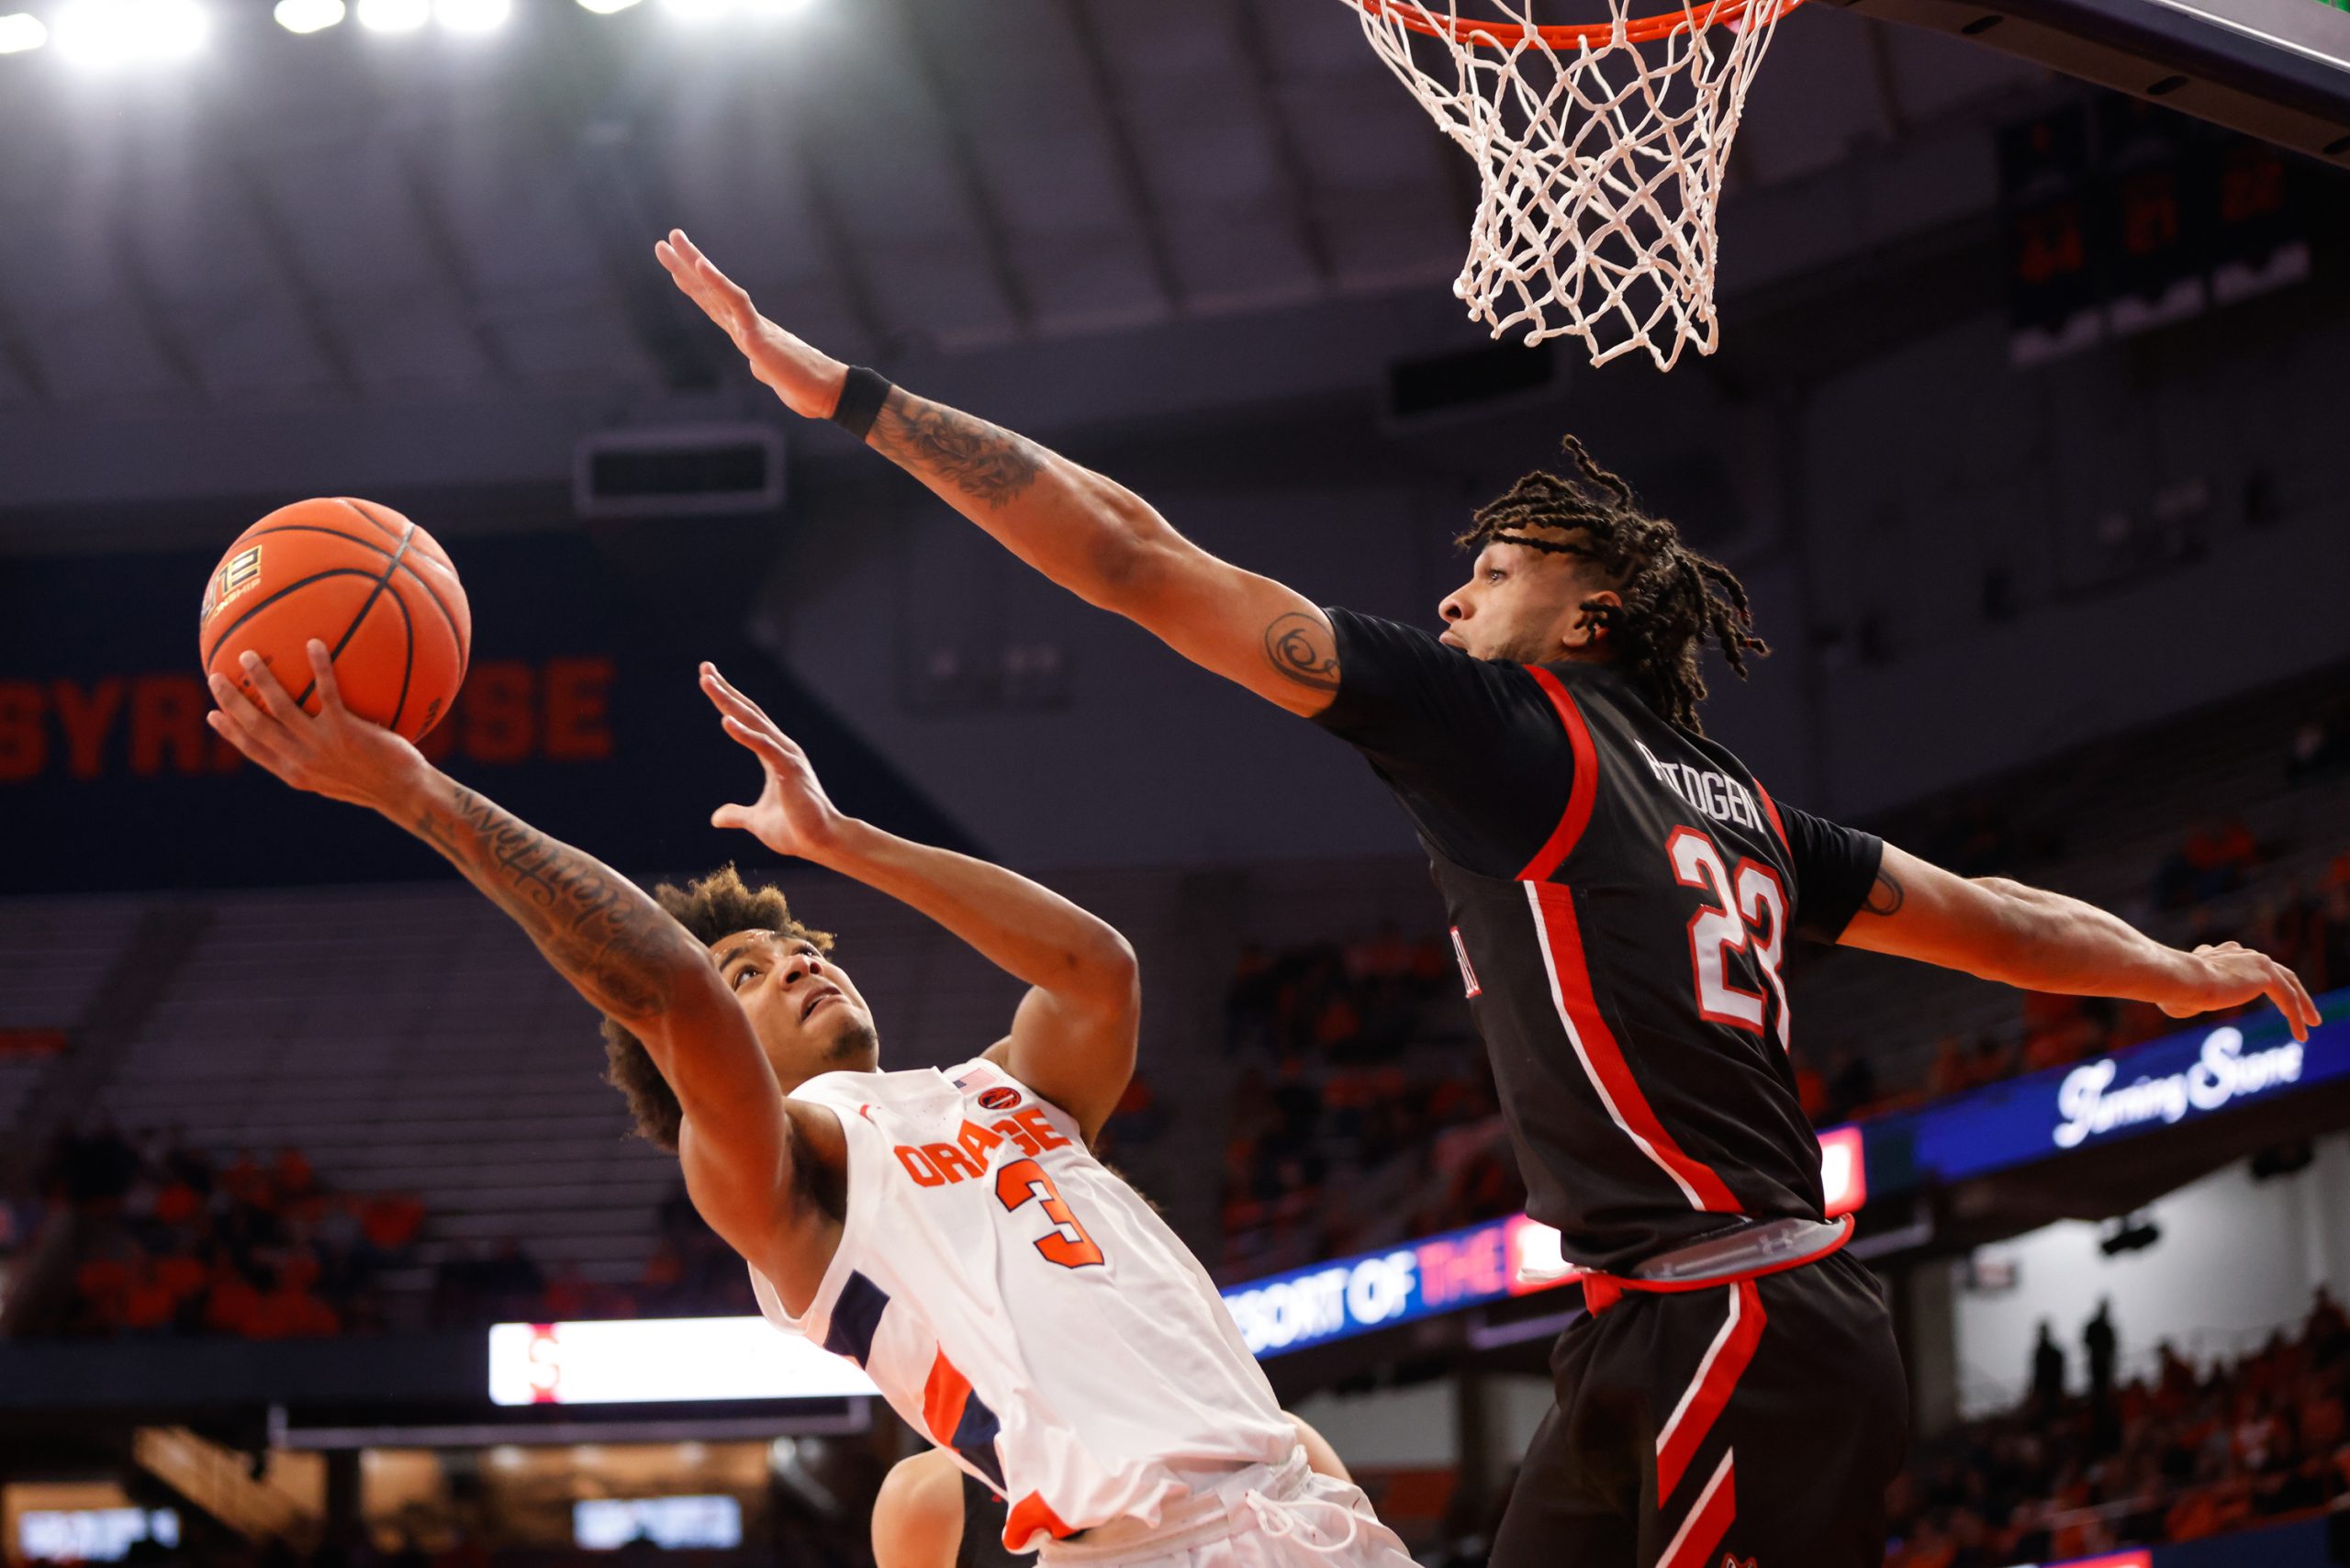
1594, 621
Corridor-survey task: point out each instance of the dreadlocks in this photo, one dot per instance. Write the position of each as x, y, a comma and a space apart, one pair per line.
1675, 600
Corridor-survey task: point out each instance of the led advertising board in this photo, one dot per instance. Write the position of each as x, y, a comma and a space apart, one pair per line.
2162, 1084
744, 1358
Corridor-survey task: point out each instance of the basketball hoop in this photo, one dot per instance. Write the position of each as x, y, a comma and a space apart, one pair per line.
1600, 153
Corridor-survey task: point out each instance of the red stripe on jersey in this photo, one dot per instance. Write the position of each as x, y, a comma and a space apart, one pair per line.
1709, 1393
1580, 794
1771, 810
1700, 1535
1028, 1516
942, 1398
1603, 1058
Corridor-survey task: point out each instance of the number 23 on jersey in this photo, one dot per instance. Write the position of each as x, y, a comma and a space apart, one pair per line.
1746, 913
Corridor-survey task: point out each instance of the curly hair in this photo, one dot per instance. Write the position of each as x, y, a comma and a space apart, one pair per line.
1675, 600
711, 907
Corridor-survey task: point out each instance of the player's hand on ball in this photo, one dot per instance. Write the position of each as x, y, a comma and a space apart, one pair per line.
335, 753
809, 382
2228, 973
792, 814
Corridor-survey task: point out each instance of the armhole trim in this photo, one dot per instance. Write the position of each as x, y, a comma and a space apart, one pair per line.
1771, 810
1581, 795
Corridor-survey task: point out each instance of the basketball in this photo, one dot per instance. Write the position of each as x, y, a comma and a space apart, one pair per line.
377, 589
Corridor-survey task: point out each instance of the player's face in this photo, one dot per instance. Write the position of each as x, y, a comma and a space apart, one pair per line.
1518, 604
806, 1012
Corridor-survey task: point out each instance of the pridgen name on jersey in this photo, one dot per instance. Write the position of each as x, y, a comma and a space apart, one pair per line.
1717, 795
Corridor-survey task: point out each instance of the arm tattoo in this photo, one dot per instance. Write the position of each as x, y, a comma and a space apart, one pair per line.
1885, 894
616, 945
985, 461
1297, 646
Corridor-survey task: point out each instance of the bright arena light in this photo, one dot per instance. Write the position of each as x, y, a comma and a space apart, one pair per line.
473, 16
607, 7
394, 15
115, 32
308, 16
696, 12
21, 32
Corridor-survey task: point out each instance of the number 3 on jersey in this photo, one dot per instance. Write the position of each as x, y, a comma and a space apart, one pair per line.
1749, 911
1066, 1243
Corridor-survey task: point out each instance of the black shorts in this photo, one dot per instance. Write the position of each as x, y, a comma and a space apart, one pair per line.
1754, 1425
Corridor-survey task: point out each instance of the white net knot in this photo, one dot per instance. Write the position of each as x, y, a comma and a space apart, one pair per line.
1600, 161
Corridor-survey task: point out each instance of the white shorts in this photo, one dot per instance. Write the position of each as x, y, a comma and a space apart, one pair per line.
1263, 1516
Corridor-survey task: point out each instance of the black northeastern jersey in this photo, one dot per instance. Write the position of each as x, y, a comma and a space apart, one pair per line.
1621, 894
983, 1519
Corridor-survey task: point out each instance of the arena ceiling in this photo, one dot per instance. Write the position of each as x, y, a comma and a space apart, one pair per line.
369, 219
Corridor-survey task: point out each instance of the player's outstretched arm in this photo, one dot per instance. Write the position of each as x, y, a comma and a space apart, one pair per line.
2042, 941
616, 946
1073, 1039
1089, 533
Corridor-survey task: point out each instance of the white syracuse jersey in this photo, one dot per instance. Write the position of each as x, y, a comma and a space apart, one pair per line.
1026, 1309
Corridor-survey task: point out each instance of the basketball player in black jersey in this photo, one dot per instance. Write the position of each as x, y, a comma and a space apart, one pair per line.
1621, 892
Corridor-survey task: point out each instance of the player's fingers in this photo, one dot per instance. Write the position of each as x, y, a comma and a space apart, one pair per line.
246, 727
2279, 989
729, 702
765, 747
716, 679
722, 692
2304, 1010
267, 696
322, 677
731, 295
731, 816
234, 700
686, 266
729, 301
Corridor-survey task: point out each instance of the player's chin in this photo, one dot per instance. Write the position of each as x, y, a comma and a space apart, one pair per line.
853, 1042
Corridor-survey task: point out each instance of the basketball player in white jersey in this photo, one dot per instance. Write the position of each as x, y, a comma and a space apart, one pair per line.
949, 1230
932, 1513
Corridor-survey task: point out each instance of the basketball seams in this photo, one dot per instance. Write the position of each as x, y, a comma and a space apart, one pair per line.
393, 558
231, 630
463, 643
407, 658
359, 620
256, 532
385, 529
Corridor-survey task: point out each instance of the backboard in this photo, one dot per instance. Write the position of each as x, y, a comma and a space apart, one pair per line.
2277, 68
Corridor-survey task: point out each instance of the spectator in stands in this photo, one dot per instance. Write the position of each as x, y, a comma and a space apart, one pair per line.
163, 1245
1248, 1002
2102, 1346
2047, 1371
2183, 1457
2216, 858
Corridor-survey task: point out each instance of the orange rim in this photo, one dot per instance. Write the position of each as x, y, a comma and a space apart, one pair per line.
1415, 16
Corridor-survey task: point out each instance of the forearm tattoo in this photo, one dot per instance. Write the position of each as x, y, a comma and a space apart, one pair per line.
985, 461
1885, 894
1299, 648
594, 925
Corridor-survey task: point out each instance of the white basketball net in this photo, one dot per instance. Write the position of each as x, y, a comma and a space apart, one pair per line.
1600, 163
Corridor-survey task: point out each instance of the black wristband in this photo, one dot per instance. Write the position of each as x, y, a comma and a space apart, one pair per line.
861, 399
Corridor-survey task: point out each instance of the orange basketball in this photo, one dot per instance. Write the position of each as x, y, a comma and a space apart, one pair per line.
373, 586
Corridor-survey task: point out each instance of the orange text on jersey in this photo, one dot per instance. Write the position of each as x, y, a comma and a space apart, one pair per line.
941, 1164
